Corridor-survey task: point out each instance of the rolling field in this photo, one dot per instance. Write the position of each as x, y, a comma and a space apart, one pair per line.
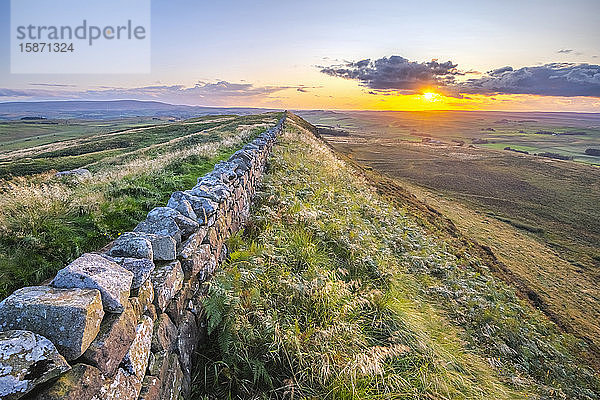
538, 215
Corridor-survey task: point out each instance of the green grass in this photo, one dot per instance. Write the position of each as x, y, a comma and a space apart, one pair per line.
333, 293
46, 222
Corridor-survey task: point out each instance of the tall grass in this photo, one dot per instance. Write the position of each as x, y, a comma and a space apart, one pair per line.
333, 293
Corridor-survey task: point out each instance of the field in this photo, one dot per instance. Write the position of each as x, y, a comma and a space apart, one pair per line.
47, 221
539, 216
568, 134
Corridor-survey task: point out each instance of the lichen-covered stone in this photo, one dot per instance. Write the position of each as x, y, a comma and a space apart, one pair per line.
92, 271
26, 361
187, 224
167, 280
122, 387
180, 302
184, 207
196, 260
117, 332
203, 207
151, 388
135, 361
173, 381
164, 248
81, 383
213, 190
143, 297
187, 341
131, 245
140, 267
164, 227
69, 318
164, 337
151, 312
158, 365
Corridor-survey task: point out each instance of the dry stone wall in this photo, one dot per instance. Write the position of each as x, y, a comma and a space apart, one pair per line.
125, 323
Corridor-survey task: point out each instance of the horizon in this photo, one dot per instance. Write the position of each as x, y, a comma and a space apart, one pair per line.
292, 109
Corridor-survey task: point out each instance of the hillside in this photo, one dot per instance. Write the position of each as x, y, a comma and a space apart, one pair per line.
336, 291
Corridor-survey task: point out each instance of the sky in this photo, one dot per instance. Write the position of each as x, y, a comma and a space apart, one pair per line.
388, 55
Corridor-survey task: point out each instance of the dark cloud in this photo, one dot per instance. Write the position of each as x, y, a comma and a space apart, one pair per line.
396, 73
399, 75
556, 79
565, 51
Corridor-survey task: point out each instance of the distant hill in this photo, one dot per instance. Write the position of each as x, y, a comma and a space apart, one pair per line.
111, 109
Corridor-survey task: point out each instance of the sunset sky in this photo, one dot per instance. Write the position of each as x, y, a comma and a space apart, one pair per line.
510, 55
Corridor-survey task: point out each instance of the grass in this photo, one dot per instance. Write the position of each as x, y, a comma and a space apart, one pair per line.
46, 222
333, 292
552, 253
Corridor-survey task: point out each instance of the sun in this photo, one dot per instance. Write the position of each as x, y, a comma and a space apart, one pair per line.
431, 96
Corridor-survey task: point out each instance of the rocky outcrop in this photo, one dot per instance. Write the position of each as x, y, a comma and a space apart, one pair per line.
130, 319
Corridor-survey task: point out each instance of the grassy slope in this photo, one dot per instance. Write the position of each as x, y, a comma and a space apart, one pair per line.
334, 292
46, 222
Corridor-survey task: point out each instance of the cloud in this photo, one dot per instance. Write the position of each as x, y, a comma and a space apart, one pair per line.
205, 93
555, 79
399, 75
565, 51
396, 73
50, 85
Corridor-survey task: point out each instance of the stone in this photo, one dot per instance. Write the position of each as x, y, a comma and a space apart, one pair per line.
173, 381
81, 383
184, 207
140, 267
213, 190
117, 332
92, 271
199, 263
131, 245
167, 280
166, 227
187, 341
79, 172
151, 388
164, 248
188, 225
69, 318
26, 361
151, 312
144, 296
190, 245
164, 337
122, 387
135, 361
159, 365
203, 207
179, 303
